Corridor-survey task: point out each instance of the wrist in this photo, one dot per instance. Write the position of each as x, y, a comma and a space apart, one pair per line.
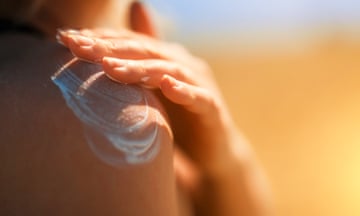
234, 155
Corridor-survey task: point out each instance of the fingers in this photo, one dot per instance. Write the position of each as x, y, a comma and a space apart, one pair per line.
173, 80
93, 45
149, 72
64, 36
195, 99
104, 33
95, 49
133, 58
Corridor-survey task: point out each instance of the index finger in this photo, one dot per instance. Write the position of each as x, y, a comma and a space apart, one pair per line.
128, 46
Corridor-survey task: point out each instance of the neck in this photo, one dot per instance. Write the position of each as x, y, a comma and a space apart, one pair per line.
77, 14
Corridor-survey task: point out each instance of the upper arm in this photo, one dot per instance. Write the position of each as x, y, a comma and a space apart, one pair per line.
113, 157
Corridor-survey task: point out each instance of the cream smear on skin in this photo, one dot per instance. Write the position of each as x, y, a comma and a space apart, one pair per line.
118, 125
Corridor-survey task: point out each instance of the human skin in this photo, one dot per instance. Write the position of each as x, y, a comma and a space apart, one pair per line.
49, 165
228, 175
46, 165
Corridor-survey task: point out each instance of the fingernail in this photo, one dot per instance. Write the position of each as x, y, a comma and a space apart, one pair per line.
113, 62
63, 31
82, 40
145, 79
58, 39
59, 34
175, 84
121, 69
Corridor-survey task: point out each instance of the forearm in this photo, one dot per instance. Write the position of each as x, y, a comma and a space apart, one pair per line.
239, 187
233, 183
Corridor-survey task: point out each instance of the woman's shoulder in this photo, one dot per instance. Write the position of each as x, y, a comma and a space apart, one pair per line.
48, 98
46, 67
26, 65
129, 118
45, 83
34, 58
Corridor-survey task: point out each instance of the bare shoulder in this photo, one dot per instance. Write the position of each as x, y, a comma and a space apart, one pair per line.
67, 131
125, 119
43, 83
26, 64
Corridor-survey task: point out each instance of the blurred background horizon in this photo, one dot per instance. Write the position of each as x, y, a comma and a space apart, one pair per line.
290, 73
257, 24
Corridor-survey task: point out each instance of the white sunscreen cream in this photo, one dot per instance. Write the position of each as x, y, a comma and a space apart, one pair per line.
119, 125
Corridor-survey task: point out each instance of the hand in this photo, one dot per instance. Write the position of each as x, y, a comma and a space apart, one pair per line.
200, 120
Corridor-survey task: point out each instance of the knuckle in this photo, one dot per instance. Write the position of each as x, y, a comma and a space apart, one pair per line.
175, 69
179, 71
150, 50
141, 66
213, 102
177, 47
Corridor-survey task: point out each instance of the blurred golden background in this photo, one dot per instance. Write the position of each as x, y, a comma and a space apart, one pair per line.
293, 91
301, 111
